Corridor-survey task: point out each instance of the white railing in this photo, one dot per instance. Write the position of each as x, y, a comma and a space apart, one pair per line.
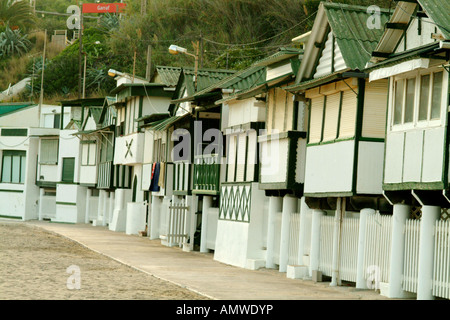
377, 248
326, 245
294, 234
411, 257
441, 272
177, 233
348, 254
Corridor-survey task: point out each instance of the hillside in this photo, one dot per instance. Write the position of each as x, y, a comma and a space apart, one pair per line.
230, 34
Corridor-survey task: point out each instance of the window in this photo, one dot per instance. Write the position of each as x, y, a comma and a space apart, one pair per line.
56, 120
68, 169
49, 151
417, 99
13, 166
88, 153
106, 148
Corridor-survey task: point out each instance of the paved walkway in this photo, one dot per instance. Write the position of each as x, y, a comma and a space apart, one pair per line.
199, 272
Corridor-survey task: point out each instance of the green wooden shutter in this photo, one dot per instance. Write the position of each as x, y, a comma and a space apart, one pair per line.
68, 169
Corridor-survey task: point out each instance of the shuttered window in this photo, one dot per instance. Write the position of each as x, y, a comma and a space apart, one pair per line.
375, 107
331, 116
241, 154
49, 151
89, 154
231, 158
68, 169
251, 155
315, 127
348, 115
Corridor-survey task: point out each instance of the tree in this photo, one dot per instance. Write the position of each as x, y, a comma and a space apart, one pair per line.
16, 14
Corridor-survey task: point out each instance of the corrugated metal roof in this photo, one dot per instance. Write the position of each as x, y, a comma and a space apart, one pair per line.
11, 107
205, 78
168, 75
283, 54
439, 12
161, 125
349, 25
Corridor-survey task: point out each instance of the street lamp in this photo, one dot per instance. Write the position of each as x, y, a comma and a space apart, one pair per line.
174, 49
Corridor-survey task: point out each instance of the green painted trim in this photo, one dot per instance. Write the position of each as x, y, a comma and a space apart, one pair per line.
341, 98
14, 132
323, 117
10, 217
309, 120
65, 182
358, 128
368, 139
87, 141
66, 203
413, 185
207, 192
93, 185
329, 194
329, 142
49, 184
13, 191
181, 193
141, 104
236, 183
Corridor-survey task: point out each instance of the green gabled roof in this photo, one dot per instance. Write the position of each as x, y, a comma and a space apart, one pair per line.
163, 124
168, 75
96, 112
283, 54
205, 78
439, 12
6, 108
349, 26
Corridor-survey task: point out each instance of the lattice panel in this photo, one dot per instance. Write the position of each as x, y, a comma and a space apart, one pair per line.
416, 213
235, 203
445, 215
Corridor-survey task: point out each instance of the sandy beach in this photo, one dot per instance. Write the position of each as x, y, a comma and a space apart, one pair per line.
34, 265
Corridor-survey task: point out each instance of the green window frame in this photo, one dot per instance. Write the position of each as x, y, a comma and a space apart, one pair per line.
68, 170
13, 166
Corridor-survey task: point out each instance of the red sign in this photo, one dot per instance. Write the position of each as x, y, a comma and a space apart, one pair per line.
103, 7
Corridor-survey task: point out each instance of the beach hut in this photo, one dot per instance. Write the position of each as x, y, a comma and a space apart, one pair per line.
346, 128
413, 55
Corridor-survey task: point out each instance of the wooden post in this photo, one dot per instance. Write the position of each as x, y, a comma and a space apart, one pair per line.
148, 71
134, 65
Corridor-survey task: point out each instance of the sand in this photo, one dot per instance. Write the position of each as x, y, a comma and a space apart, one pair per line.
34, 263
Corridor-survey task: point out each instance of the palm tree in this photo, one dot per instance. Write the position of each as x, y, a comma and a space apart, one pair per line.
16, 14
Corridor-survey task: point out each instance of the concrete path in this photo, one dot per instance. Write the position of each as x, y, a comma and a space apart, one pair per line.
199, 272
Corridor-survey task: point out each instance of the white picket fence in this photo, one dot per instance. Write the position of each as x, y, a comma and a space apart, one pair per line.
177, 233
326, 245
411, 256
294, 235
348, 252
377, 245
441, 272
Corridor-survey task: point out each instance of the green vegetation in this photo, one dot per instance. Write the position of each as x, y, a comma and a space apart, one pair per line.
230, 34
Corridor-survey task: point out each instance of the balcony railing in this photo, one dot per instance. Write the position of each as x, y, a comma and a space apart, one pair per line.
206, 174
105, 175
181, 177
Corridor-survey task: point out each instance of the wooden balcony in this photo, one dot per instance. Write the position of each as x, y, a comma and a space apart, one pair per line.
182, 178
206, 178
282, 160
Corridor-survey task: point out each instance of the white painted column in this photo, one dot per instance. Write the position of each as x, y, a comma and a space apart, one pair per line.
304, 209
315, 240
207, 201
154, 217
430, 214
275, 204
401, 213
289, 206
41, 204
111, 206
361, 282
88, 205
104, 213
340, 209
101, 195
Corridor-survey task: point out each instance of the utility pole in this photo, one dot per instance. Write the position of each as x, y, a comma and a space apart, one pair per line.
148, 70
201, 50
80, 52
134, 65
41, 98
